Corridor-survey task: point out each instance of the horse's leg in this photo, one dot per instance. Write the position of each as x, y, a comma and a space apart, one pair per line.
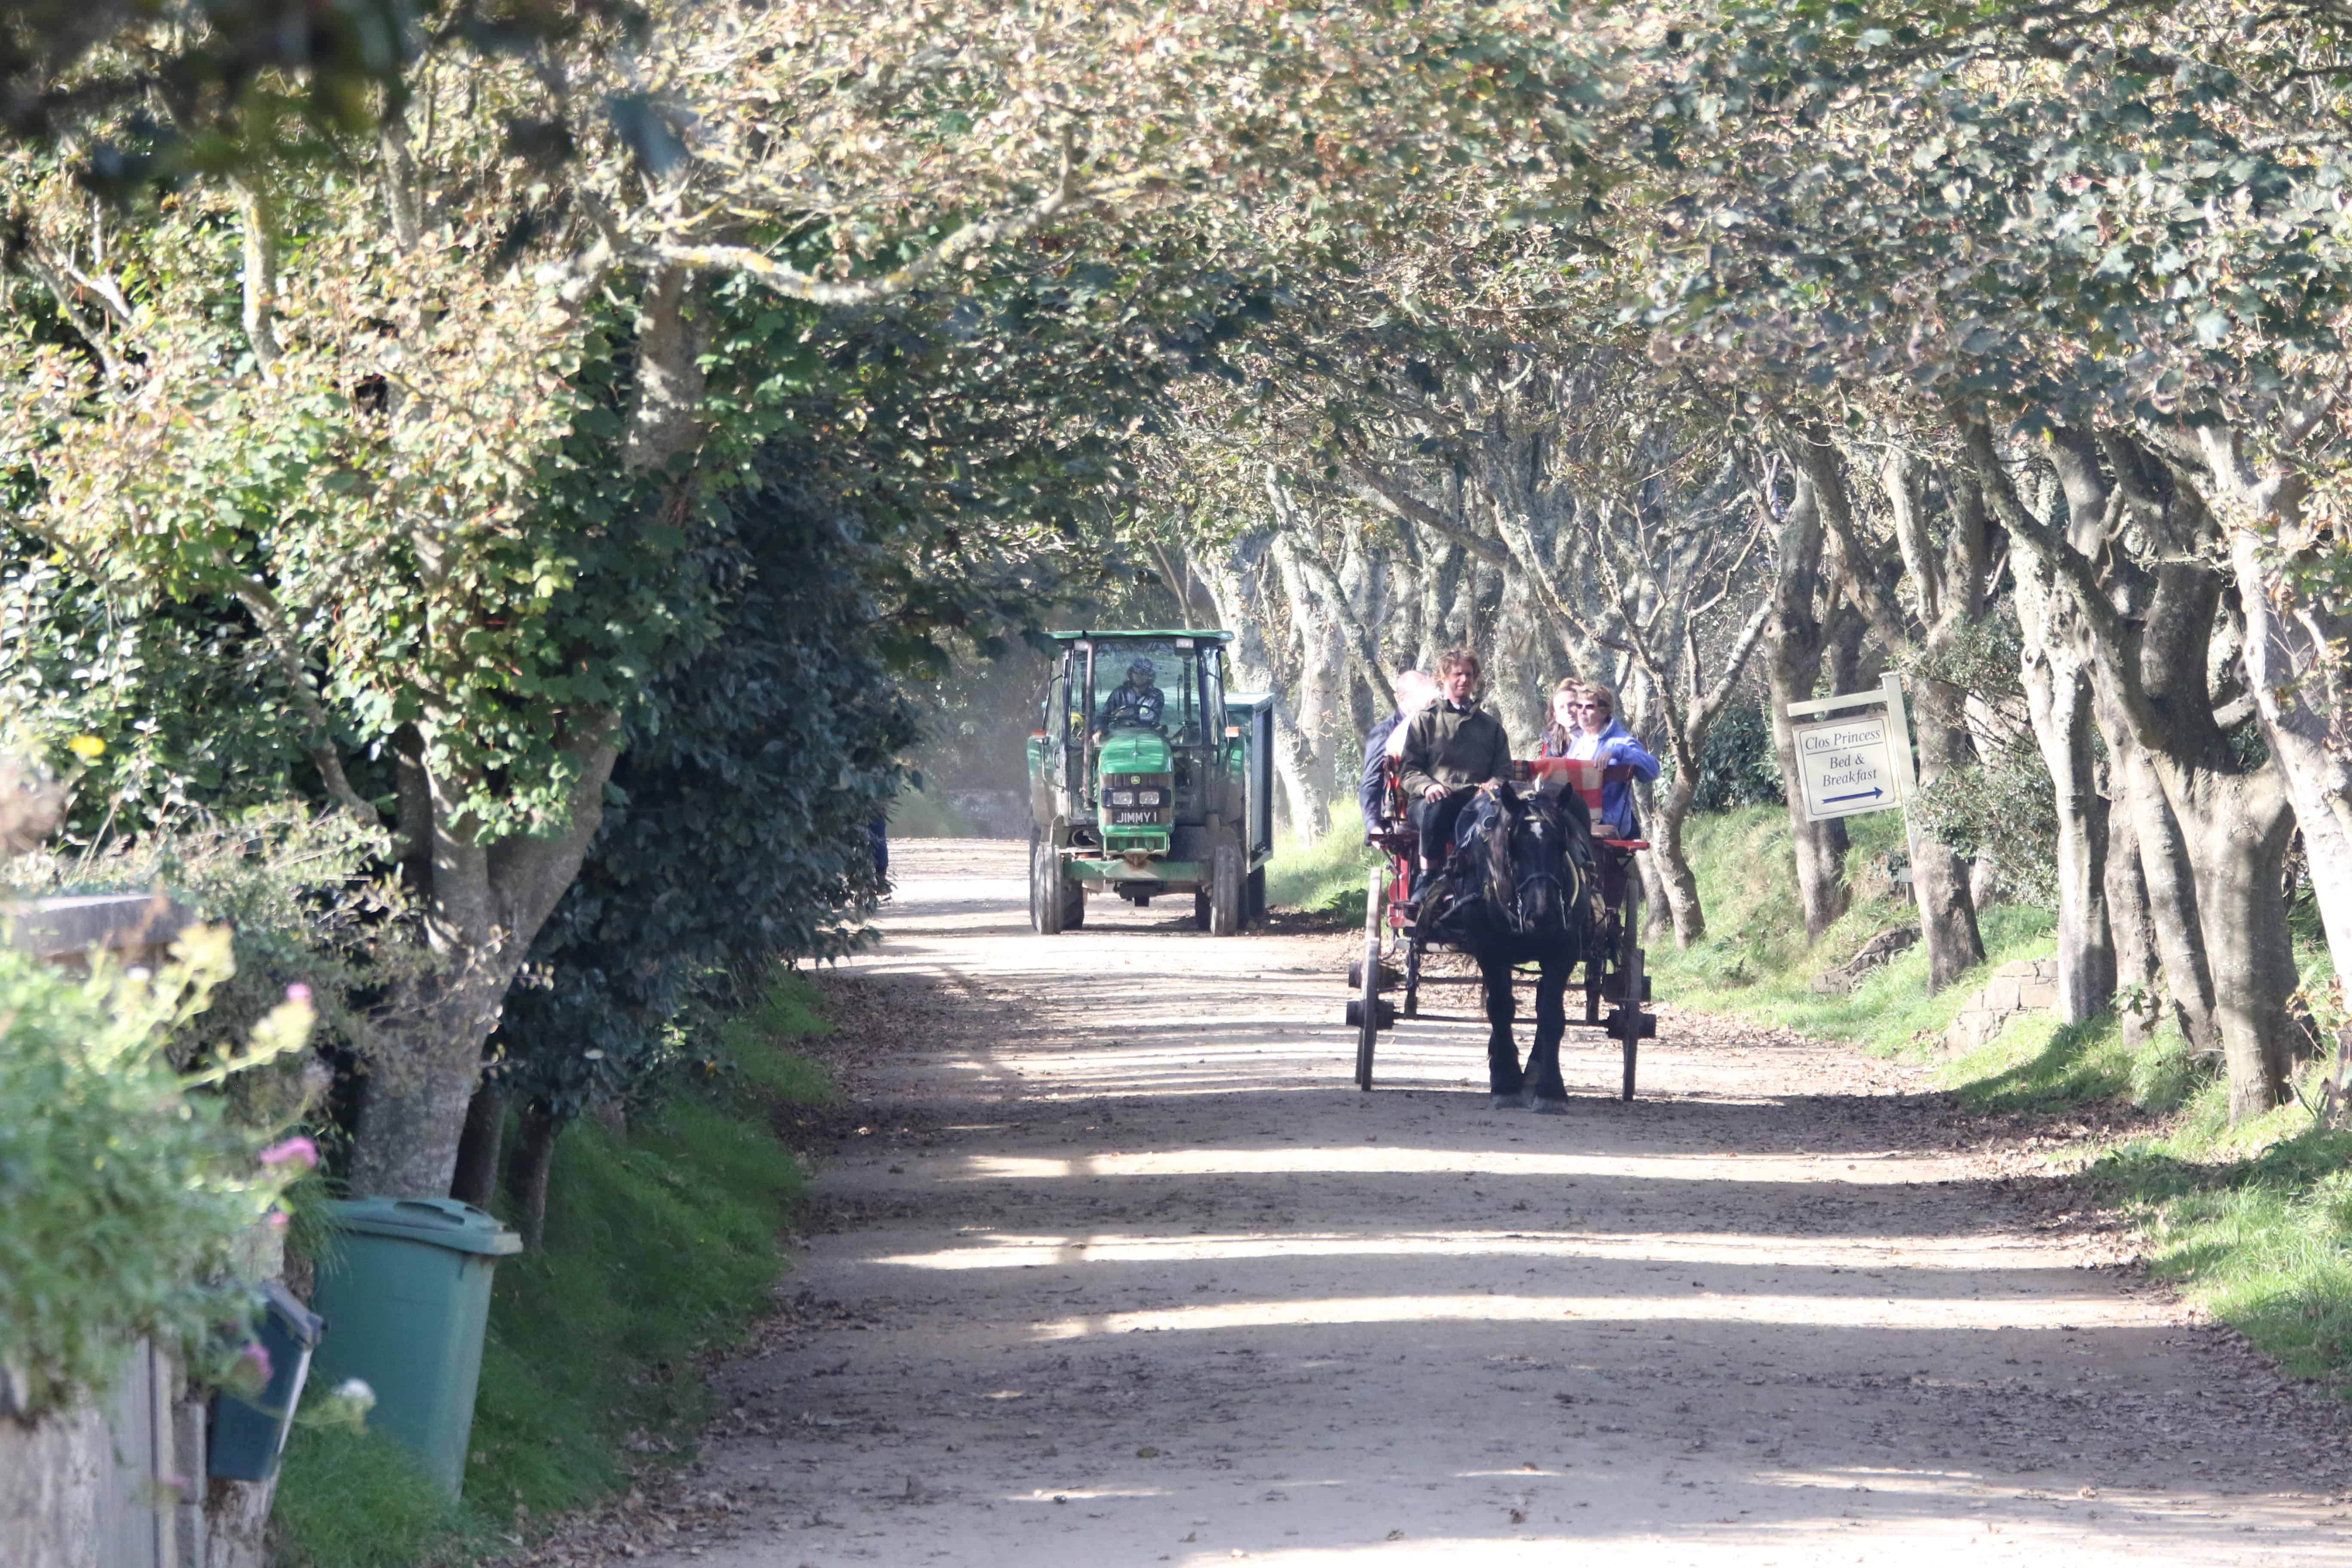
1502, 1057
1546, 1094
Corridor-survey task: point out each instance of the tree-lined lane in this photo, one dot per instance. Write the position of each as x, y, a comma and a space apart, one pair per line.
1137, 1274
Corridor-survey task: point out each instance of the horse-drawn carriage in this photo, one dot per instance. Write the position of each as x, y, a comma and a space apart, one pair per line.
1396, 939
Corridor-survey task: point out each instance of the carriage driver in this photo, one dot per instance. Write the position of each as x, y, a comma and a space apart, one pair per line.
1450, 749
1136, 701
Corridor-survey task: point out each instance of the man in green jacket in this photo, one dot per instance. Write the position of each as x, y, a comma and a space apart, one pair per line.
1451, 747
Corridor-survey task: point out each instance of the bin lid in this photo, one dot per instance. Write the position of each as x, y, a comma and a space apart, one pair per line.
294, 1320
436, 1222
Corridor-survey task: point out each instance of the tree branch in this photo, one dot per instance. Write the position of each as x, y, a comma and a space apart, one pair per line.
271, 616
1386, 494
795, 284
261, 226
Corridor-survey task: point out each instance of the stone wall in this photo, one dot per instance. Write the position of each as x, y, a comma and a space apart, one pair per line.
2029, 986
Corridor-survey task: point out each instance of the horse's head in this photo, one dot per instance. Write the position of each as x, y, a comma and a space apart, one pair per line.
1536, 848
1498, 868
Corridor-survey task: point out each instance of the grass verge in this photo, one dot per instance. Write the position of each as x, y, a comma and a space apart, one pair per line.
2253, 1222
661, 1246
1325, 878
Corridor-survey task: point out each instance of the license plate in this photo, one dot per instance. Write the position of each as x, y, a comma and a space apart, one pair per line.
1137, 818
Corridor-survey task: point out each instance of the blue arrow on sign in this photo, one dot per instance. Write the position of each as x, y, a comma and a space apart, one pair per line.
1871, 794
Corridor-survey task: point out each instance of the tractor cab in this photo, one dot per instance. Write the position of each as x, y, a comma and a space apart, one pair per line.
1145, 776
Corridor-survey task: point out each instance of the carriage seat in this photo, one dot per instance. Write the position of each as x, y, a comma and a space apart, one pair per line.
1586, 778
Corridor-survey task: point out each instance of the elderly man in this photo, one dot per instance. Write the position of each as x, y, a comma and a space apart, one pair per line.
1414, 691
1450, 749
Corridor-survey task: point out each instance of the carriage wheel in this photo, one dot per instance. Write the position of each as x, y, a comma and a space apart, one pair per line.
1596, 971
1629, 969
1367, 1021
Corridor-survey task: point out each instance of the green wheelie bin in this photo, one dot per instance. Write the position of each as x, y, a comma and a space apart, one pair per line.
406, 1290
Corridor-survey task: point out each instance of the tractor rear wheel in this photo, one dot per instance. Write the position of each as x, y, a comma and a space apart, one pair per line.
1225, 891
1047, 903
1256, 898
1200, 910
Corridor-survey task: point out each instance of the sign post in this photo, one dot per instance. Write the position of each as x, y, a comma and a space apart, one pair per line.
1859, 762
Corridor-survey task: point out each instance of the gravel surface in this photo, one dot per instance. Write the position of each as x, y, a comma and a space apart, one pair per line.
1113, 1264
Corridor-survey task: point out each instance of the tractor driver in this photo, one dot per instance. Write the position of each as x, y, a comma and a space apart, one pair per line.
1451, 747
1136, 702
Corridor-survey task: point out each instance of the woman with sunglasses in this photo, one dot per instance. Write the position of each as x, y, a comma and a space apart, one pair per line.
1585, 727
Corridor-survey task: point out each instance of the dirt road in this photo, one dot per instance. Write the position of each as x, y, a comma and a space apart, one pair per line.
1124, 1269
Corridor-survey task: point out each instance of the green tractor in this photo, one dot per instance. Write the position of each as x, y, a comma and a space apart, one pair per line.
1150, 778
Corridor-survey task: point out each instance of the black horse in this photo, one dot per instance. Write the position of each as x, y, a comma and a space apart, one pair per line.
1517, 888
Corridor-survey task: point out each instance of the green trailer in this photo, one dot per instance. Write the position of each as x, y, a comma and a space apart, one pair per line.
1165, 789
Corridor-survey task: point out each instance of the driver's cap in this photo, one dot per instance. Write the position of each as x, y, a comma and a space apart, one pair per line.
1142, 666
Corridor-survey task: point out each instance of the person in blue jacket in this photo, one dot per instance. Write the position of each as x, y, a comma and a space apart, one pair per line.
1584, 727
1415, 689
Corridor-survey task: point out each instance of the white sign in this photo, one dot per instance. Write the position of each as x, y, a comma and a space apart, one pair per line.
1847, 765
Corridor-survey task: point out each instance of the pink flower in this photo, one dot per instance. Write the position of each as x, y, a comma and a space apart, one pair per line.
277, 1219
295, 1148
258, 1356
297, 992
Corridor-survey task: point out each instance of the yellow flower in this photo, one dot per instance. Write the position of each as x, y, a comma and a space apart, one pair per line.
88, 748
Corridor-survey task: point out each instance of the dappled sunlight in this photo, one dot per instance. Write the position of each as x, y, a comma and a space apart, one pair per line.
1896, 1253
1369, 1158
1159, 1284
1941, 1312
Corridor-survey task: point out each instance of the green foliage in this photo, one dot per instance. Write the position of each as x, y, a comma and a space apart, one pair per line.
1738, 766
660, 1246
1327, 877
126, 1200
758, 1043
191, 708
1755, 960
2261, 1238
2005, 810
2039, 1064
361, 1500
297, 894
736, 828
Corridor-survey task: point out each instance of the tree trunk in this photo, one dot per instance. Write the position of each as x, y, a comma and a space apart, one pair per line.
1657, 913
2237, 853
2058, 702
1793, 644
1232, 577
534, 1154
2054, 670
1940, 879
2139, 967
478, 1147
2172, 903
1681, 883
2294, 663
486, 904
1321, 668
